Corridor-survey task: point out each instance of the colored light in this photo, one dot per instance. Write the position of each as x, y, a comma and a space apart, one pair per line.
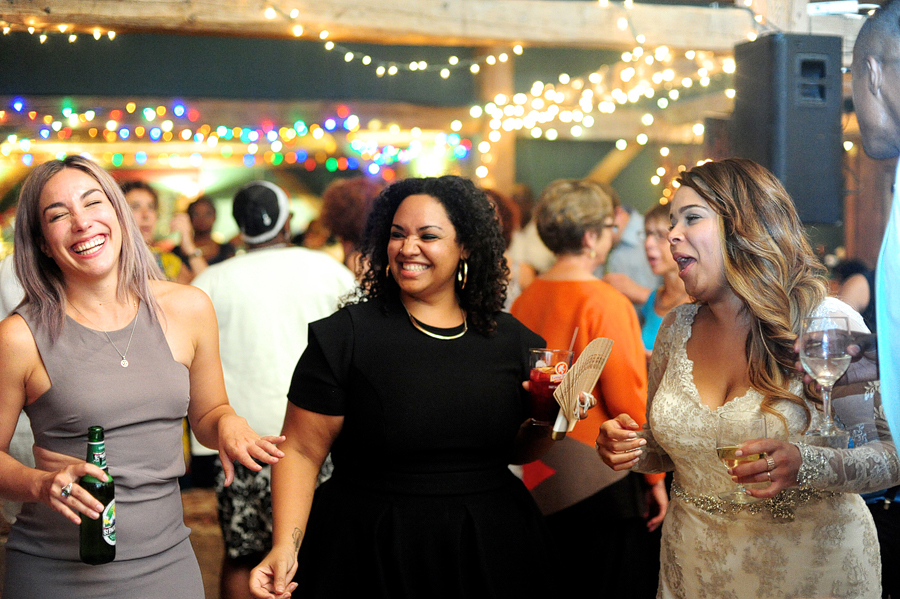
373, 169
27, 159
310, 164
117, 159
272, 136
330, 124
301, 155
44, 133
277, 158
343, 111
178, 110
249, 159
149, 114
124, 134
140, 157
301, 128
155, 133
193, 115
352, 163
331, 165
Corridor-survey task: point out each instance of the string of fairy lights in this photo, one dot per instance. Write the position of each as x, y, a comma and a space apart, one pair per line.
652, 78
131, 133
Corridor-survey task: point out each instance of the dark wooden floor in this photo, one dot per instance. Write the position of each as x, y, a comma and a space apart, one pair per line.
200, 516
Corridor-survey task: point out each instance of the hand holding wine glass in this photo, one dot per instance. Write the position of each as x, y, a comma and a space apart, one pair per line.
823, 352
733, 429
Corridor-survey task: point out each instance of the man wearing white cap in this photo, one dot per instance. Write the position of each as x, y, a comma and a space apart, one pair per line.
264, 301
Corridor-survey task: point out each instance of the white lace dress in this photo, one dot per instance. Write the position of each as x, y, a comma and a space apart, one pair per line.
810, 542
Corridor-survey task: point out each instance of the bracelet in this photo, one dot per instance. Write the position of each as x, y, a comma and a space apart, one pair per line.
813, 465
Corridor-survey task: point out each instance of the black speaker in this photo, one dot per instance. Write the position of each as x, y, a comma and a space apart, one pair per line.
787, 117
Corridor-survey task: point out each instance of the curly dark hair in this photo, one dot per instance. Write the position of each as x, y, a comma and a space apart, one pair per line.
477, 230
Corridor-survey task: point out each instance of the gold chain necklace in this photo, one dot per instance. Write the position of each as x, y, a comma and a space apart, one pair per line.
124, 362
422, 329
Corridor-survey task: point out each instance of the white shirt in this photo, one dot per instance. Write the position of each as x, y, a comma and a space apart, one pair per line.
264, 300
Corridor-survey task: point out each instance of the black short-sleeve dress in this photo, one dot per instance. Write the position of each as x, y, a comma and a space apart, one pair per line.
421, 502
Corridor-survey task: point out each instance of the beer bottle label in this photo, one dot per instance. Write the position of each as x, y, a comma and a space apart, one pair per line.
97, 454
109, 523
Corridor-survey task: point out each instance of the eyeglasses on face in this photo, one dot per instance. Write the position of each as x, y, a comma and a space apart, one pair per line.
660, 236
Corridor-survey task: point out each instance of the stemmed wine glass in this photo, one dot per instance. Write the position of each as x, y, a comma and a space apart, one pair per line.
733, 429
823, 353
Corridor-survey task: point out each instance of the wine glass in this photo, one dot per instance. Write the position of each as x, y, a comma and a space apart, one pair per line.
733, 429
823, 353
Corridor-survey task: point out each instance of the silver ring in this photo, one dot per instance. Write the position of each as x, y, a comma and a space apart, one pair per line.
770, 462
66, 491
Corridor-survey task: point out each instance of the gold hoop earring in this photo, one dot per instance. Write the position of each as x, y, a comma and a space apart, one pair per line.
462, 273
387, 271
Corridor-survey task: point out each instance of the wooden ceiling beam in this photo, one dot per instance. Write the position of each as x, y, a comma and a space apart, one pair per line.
420, 22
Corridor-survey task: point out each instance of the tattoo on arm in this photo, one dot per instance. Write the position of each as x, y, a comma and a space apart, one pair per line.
297, 535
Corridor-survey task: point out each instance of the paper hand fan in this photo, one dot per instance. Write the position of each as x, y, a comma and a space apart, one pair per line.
581, 377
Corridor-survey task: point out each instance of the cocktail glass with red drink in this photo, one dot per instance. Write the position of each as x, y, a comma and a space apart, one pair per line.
548, 366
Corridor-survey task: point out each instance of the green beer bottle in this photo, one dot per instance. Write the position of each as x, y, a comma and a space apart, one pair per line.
98, 537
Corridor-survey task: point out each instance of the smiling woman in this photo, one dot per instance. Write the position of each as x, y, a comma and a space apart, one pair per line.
416, 389
146, 354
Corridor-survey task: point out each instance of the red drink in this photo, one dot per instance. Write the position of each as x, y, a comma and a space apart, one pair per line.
544, 381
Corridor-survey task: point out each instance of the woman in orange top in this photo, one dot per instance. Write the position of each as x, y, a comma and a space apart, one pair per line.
581, 497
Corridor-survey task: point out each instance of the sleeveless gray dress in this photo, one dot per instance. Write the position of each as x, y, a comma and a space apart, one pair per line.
141, 407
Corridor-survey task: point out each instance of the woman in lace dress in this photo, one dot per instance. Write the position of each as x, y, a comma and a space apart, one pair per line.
743, 255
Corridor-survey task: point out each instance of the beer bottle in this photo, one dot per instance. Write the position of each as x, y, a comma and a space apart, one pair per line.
98, 537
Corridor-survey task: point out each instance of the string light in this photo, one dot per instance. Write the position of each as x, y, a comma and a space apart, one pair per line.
270, 143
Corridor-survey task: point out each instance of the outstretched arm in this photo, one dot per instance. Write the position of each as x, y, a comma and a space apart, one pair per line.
308, 439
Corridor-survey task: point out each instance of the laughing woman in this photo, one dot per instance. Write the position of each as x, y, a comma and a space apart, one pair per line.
417, 391
101, 340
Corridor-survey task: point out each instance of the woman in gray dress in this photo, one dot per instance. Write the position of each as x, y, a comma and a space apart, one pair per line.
101, 339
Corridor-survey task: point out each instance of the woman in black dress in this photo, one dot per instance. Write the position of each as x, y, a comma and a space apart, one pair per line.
416, 389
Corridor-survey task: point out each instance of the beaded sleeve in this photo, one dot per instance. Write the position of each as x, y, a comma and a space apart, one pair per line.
871, 463
653, 457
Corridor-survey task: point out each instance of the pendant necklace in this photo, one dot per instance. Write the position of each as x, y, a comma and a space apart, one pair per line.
124, 361
422, 329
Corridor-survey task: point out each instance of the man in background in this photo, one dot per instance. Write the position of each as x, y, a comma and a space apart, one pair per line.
876, 99
627, 268
264, 300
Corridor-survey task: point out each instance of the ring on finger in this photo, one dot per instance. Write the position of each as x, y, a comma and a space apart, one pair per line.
769, 475
66, 491
770, 462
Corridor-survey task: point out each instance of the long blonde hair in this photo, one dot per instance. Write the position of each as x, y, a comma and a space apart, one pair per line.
41, 277
769, 264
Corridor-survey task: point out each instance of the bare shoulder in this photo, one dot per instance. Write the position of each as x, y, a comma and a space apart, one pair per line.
17, 345
181, 301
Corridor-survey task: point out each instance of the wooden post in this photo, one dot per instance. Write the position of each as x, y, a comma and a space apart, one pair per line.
867, 204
